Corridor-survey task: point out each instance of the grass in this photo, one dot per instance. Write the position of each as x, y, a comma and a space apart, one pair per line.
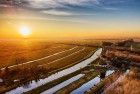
69, 60
136, 46
128, 85
17, 55
50, 59
88, 76
83, 55
96, 89
44, 87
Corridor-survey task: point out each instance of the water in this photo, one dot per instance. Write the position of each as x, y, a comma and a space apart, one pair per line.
57, 75
85, 87
109, 72
63, 84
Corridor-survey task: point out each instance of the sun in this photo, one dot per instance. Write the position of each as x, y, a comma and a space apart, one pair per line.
24, 31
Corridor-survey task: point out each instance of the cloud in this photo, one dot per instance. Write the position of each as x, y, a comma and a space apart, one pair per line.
64, 7
111, 8
65, 13
57, 13
12, 18
48, 4
60, 7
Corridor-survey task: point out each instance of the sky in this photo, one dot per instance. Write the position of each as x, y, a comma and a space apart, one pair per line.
71, 18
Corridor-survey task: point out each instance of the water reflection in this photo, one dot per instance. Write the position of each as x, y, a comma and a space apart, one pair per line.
92, 83
23, 76
63, 84
86, 86
57, 75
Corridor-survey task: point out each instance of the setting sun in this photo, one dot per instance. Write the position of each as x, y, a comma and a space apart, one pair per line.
24, 31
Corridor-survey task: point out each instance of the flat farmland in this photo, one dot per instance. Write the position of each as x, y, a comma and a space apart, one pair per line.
13, 53
23, 65
48, 59
69, 59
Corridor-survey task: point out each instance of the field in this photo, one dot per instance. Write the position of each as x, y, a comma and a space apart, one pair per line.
15, 53
44, 67
29, 60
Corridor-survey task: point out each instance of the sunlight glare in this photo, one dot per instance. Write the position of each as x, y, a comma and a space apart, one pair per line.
25, 31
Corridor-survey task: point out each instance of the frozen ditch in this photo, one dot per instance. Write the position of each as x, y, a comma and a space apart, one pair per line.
85, 87
57, 75
63, 84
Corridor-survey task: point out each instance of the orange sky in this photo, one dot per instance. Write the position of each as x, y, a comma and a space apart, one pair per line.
101, 29
70, 19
